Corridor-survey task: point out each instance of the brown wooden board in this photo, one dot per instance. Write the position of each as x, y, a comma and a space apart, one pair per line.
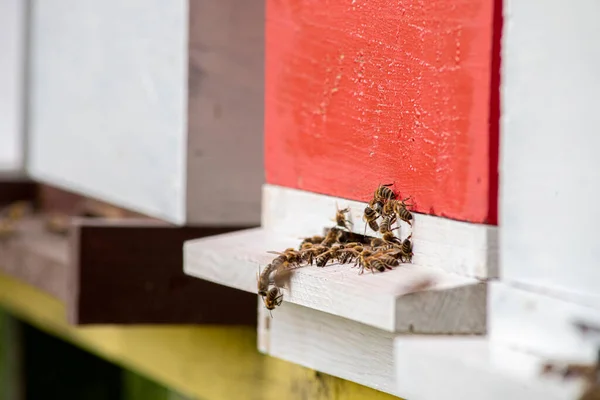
110, 271
16, 189
131, 272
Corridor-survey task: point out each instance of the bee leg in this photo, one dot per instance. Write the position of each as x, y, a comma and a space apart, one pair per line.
279, 300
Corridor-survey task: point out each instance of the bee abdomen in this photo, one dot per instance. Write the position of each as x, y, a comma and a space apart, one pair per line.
373, 225
404, 214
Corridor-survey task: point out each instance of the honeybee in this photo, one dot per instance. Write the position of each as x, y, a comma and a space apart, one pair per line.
273, 299
311, 251
363, 261
312, 240
406, 250
349, 253
389, 260
331, 237
291, 255
340, 218
386, 224
378, 264
370, 216
262, 279
390, 239
333, 253
398, 207
383, 193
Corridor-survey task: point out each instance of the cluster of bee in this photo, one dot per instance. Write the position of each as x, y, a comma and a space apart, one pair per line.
341, 245
589, 373
10, 215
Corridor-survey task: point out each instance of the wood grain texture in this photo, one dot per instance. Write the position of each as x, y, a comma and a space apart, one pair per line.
361, 93
329, 344
542, 323
557, 184
463, 248
130, 271
225, 111
462, 369
392, 301
13, 48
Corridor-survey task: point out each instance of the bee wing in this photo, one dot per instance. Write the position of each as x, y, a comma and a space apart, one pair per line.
282, 276
275, 252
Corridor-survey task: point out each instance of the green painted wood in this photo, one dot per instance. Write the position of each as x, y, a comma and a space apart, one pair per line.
138, 387
11, 383
55, 369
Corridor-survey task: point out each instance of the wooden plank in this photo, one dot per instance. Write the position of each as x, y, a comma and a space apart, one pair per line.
55, 200
330, 344
547, 323
12, 382
121, 272
225, 111
382, 92
16, 189
132, 109
201, 361
458, 247
13, 47
160, 140
410, 298
130, 271
462, 369
550, 187
37, 257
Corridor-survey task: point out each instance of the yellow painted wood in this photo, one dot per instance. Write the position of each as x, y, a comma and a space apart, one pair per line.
203, 362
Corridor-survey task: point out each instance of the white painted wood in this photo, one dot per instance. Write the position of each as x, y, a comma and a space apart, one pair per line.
453, 246
13, 39
392, 301
116, 115
549, 149
108, 101
542, 323
462, 369
329, 344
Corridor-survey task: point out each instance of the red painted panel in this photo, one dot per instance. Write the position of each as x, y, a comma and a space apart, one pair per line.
362, 92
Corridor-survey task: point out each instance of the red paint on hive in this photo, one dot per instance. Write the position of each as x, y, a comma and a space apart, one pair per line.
362, 92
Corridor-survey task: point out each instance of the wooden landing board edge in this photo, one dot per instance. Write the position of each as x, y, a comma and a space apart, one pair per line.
393, 301
463, 248
462, 369
540, 323
330, 344
121, 272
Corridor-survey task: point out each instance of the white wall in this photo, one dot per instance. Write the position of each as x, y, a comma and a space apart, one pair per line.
550, 166
12, 72
108, 101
